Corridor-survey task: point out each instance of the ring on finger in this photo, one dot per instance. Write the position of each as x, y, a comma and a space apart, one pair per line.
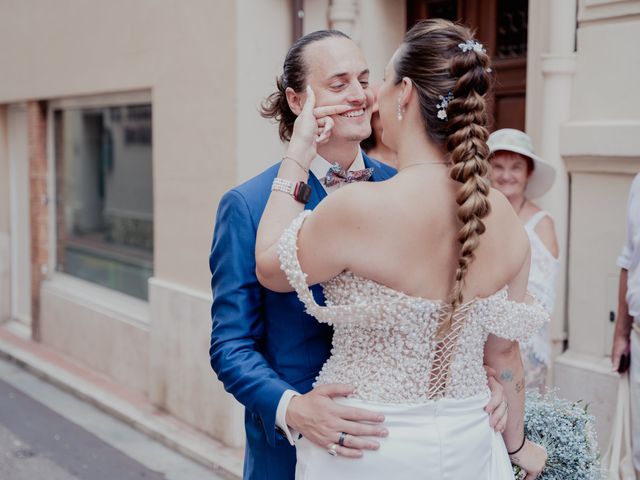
333, 450
343, 436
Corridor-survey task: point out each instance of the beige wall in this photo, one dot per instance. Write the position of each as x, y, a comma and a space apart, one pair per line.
185, 54
108, 333
181, 379
4, 174
5, 260
261, 48
609, 66
597, 225
600, 145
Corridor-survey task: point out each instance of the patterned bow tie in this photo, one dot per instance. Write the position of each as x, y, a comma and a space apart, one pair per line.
337, 175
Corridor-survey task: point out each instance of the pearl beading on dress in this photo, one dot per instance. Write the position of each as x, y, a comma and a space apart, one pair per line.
384, 340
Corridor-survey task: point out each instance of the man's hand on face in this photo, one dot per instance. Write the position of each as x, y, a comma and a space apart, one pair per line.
321, 420
497, 408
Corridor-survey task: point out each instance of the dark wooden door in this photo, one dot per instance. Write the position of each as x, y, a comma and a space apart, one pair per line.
501, 25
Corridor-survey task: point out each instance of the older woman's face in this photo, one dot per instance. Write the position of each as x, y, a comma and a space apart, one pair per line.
509, 173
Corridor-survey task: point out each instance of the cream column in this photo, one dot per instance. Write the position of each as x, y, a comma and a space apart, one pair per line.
381, 26
343, 15
558, 67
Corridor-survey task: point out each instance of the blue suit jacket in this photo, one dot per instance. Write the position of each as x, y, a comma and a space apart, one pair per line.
262, 342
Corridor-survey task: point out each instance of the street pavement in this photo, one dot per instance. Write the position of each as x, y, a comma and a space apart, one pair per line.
48, 434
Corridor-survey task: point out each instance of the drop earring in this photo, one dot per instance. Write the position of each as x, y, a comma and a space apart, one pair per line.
400, 112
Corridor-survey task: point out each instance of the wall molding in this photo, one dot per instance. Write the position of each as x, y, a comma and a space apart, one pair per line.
607, 10
601, 146
111, 303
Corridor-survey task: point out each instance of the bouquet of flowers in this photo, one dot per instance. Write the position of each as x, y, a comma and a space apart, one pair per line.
566, 430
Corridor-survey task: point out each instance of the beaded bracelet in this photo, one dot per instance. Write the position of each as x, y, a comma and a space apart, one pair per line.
524, 439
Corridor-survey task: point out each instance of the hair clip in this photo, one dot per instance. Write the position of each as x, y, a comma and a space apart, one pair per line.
472, 45
442, 106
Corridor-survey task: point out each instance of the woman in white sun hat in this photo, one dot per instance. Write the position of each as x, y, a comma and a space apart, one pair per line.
521, 175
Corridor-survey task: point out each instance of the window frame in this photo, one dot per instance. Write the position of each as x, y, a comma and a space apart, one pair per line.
62, 279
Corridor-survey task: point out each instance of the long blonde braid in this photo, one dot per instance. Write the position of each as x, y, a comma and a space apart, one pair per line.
432, 58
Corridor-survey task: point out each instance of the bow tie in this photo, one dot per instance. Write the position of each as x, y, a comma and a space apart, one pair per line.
336, 175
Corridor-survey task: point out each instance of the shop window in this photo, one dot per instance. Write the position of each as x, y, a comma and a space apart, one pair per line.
104, 193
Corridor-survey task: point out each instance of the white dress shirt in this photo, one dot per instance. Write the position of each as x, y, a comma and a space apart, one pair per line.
629, 258
319, 167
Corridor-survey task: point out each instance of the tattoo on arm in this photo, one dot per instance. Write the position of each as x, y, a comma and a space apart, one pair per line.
506, 376
520, 385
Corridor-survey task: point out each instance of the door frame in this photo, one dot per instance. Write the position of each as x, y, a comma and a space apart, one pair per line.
20, 226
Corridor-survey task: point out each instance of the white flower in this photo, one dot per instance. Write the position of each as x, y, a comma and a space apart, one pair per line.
566, 430
442, 106
471, 45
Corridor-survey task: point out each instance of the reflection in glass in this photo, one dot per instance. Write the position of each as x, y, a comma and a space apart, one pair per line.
105, 196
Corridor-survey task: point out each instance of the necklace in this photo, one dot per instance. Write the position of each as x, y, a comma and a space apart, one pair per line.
519, 209
420, 163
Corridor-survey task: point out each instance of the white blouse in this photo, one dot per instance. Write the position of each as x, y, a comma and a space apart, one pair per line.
544, 266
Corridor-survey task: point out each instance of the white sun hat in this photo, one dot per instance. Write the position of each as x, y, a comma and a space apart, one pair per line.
512, 140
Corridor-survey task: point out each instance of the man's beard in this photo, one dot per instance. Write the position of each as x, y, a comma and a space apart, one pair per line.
358, 138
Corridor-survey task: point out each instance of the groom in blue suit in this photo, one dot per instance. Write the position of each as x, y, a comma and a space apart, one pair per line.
264, 348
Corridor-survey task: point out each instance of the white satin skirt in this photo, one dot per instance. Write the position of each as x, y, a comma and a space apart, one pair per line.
442, 439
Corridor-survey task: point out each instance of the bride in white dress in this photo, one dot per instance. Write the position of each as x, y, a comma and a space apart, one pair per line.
385, 251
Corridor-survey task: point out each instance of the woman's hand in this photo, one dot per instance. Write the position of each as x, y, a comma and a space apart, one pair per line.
532, 459
313, 127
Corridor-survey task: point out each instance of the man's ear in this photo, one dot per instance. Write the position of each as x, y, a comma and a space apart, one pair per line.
294, 100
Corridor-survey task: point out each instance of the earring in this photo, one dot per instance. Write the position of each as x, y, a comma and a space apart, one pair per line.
400, 112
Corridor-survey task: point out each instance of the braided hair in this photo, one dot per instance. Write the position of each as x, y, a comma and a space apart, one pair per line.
439, 58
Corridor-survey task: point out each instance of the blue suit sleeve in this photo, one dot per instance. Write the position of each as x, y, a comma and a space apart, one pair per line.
237, 316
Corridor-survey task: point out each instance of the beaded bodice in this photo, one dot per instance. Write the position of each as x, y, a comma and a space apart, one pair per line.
385, 341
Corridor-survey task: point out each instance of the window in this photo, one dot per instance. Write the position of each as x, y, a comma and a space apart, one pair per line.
104, 191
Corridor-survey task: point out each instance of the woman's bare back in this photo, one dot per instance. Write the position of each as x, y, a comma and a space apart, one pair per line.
408, 238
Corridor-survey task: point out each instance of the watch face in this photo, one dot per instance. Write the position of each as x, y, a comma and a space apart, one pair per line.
303, 192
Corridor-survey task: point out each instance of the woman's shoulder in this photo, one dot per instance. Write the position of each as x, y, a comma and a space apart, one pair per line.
349, 203
534, 213
509, 229
546, 231
502, 210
